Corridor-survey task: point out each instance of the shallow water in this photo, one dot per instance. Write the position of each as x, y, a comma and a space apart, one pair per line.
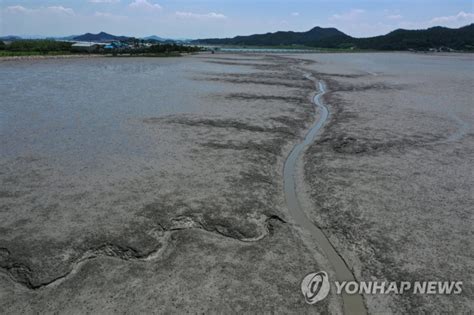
88, 109
353, 304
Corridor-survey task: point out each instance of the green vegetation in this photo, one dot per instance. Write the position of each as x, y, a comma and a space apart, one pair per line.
281, 38
133, 47
156, 50
271, 47
436, 37
329, 38
293, 47
163, 49
34, 48
41, 46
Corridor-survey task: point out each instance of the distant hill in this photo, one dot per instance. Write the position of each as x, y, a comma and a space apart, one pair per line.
166, 40
10, 38
34, 37
70, 37
157, 38
435, 37
282, 38
101, 37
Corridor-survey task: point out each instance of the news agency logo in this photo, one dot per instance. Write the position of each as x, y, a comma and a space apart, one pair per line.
316, 286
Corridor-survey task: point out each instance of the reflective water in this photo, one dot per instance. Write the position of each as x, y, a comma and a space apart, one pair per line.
89, 108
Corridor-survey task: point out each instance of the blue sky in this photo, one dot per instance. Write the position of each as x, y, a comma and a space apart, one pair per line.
225, 18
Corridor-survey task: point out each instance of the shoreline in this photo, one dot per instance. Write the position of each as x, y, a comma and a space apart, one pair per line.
47, 57
251, 51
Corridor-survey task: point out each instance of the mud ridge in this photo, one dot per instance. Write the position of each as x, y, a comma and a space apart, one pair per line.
291, 84
243, 146
256, 59
229, 63
344, 87
278, 75
252, 97
220, 123
23, 275
345, 144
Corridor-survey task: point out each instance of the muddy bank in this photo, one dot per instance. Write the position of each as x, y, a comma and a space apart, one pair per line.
42, 57
187, 215
388, 182
165, 192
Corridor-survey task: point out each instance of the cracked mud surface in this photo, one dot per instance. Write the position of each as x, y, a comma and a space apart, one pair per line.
187, 215
390, 179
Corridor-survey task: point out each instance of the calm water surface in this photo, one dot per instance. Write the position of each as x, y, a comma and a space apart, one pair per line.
87, 109
91, 107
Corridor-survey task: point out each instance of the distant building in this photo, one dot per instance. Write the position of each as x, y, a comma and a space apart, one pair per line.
116, 45
87, 46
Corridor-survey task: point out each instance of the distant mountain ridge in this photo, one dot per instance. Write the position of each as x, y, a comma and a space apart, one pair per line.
100, 37
10, 38
154, 37
281, 38
105, 37
435, 37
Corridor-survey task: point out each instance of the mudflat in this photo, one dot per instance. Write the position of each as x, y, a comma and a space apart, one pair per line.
390, 179
156, 185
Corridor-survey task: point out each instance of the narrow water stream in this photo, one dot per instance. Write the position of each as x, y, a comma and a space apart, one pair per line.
353, 304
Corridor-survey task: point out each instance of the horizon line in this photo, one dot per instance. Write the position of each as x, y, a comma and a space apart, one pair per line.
190, 38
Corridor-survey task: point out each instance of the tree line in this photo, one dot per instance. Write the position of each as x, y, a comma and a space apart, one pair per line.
45, 46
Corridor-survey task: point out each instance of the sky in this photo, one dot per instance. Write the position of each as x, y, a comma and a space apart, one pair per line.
226, 18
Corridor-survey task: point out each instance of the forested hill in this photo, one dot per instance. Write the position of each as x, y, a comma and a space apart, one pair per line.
102, 36
282, 38
435, 37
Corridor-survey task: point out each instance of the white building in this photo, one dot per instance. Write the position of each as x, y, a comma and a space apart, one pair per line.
87, 46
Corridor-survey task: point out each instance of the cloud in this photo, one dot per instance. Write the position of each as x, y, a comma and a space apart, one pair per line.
17, 9
107, 15
52, 9
103, 14
361, 23
460, 19
295, 14
453, 21
395, 17
145, 5
210, 15
348, 16
61, 9
104, 1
